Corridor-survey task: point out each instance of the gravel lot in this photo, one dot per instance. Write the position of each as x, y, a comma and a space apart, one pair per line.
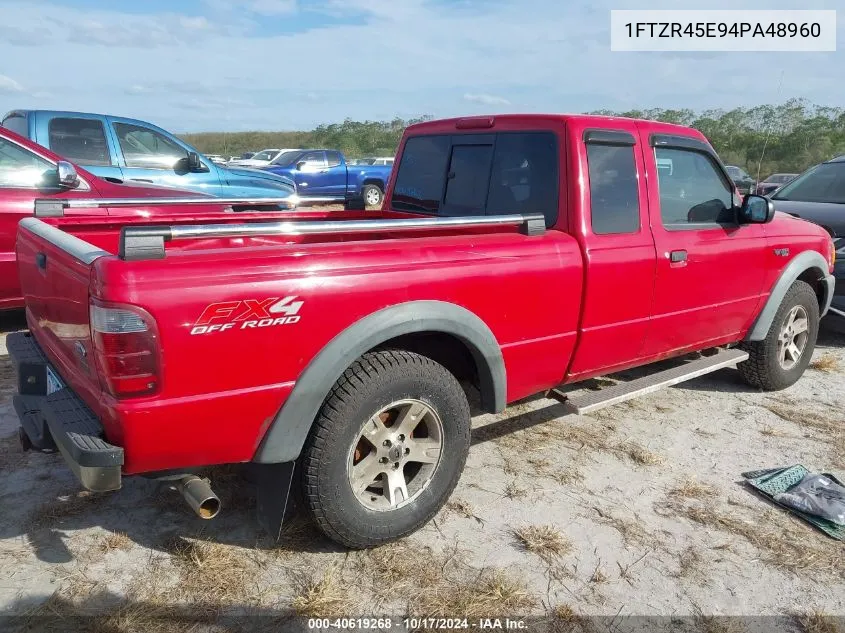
635, 510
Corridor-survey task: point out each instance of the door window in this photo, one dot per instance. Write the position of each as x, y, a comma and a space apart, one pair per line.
693, 190
82, 141
614, 195
17, 124
333, 159
21, 168
148, 149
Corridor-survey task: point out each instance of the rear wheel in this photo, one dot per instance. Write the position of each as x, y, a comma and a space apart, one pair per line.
386, 450
372, 195
780, 359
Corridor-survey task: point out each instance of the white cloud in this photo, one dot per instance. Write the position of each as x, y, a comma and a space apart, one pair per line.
9, 85
374, 59
485, 99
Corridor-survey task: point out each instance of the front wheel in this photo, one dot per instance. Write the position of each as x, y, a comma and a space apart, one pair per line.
780, 359
386, 450
373, 195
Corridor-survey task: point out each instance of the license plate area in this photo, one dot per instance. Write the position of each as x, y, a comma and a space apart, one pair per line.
54, 383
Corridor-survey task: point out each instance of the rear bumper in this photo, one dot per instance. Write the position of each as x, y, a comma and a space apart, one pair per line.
60, 420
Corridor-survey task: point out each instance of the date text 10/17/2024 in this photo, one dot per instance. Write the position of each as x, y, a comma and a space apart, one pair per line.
412, 624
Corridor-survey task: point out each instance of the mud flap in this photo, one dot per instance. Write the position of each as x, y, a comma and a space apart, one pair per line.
274, 482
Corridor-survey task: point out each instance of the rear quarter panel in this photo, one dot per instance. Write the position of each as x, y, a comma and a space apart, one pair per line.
222, 389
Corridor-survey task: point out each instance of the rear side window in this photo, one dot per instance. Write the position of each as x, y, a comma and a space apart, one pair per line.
82, 141
489, 174
17, 124
614, 197
692, 190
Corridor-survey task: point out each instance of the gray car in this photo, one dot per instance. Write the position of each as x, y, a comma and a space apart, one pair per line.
817, 195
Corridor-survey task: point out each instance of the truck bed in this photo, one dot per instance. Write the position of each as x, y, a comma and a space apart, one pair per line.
322, 272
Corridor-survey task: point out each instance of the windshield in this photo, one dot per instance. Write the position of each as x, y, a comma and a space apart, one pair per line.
267, 154
823, 183
283, 160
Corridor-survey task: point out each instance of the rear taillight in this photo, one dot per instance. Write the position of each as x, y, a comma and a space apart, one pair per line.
126, 349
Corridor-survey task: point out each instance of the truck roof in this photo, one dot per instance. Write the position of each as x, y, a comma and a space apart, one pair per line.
534, 120
72, 113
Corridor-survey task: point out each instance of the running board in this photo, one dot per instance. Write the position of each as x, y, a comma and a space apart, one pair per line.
621, 392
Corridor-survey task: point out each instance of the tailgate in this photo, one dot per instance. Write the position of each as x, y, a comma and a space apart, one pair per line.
54, 269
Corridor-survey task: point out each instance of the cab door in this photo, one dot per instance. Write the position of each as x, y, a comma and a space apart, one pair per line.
618, 249
710, 269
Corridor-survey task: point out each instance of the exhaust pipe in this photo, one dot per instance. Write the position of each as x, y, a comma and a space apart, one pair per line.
199, 495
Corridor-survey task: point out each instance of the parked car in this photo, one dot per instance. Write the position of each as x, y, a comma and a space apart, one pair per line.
771, 183
29, 172
217, 159
322, 175
371, 161
743, 181
262, 158
120, 149
835, 318
353, 339
817, 195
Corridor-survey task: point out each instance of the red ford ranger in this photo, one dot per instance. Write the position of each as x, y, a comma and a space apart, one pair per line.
29, 172
515, 254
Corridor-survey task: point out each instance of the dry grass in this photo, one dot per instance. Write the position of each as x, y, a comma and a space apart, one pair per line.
691, 563
115, 541
320, 594
599, 576
632, 531
460, 507
212, 571
403, 568
566, 620
713, 624
64, 507
491, 593
826, 428
568, 476
827, 363
514, 491
543, 540
770, 431
786, 543
693, 489
639, 454
817, 622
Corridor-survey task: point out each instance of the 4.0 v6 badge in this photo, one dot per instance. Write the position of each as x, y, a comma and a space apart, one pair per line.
247, 314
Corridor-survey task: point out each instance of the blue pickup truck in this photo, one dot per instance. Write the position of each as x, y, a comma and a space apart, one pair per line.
123, 150
323, 175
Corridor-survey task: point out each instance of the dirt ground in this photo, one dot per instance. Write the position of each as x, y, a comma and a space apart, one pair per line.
635, 510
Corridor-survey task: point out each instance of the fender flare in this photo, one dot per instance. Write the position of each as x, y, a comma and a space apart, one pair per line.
284, 439
807, 260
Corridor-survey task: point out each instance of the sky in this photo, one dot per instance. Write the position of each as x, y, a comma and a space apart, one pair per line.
223, 65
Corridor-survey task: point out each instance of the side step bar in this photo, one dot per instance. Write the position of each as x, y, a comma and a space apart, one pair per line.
647, 384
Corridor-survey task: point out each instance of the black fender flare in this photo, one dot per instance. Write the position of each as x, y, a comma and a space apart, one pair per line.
801, 263
286, 435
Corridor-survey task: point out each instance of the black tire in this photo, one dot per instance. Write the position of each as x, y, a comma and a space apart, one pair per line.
374, 192
763, 368
375, 381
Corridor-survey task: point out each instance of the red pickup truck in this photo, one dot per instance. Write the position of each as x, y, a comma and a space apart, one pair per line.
514, 254
30, 173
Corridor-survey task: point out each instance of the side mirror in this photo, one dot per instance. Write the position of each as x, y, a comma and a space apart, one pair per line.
194, 163
66, 175
756, 210
300, 165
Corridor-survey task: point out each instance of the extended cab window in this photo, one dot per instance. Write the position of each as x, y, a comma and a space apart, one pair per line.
692, 189
332, 159
21, 168
479, 174
17, 124
614, 196
146, 148
82, 141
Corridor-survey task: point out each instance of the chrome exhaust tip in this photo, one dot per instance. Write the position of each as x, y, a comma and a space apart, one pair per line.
200, 496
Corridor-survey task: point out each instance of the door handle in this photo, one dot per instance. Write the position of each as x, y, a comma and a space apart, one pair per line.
676, 257
142, 180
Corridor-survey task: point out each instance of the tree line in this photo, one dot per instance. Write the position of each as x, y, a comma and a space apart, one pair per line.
772, 138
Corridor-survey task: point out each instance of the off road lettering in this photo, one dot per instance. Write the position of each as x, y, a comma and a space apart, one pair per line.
248, 314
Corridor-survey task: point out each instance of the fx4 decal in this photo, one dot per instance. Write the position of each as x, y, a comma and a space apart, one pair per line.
247, 314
